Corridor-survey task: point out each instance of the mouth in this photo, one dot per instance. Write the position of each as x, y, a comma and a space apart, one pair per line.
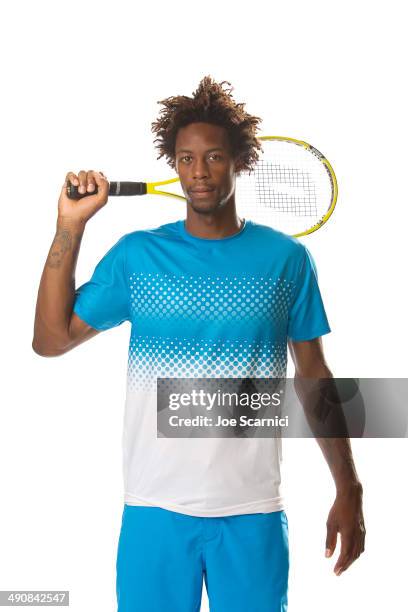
201, 191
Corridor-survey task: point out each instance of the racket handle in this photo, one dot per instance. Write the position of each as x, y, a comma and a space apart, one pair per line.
116, 188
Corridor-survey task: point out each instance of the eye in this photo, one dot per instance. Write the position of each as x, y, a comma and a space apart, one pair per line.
215, 156
185, 158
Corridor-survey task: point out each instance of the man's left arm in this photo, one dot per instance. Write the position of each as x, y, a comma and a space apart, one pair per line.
346, 514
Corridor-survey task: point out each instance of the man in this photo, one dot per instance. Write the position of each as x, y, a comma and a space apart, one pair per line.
214, 295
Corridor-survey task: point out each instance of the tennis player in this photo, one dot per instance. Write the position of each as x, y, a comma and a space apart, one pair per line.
211, 295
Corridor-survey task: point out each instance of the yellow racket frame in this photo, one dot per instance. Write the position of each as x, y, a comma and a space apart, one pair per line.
151, 188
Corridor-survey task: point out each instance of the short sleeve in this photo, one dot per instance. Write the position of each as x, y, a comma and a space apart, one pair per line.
103, 302
307, 316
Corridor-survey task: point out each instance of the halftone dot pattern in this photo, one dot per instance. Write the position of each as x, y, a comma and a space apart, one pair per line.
153, 357
210, 298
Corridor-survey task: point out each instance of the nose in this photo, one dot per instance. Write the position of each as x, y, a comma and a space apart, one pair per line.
200, 169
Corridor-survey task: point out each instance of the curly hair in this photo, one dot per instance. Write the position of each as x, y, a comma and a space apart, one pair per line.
210, 103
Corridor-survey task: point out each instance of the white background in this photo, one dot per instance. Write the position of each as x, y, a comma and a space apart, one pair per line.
80, 86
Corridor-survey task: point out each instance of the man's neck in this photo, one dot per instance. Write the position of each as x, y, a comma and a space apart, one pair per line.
213, 226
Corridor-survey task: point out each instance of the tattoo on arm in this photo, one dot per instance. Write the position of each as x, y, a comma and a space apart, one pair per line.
62, 244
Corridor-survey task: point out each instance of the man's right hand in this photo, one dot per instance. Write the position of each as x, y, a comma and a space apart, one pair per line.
82, 210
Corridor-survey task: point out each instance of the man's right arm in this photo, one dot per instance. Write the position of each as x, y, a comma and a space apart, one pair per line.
57, 329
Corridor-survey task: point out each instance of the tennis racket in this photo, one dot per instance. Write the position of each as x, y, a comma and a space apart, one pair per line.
292, 188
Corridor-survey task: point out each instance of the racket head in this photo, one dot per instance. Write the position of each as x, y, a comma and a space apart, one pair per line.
293, 187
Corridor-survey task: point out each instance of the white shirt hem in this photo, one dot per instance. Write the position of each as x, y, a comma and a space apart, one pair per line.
273, 504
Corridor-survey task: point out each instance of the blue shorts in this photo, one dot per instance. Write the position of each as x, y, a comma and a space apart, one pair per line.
163, 557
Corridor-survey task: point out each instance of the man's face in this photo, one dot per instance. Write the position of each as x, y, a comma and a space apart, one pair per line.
205, 165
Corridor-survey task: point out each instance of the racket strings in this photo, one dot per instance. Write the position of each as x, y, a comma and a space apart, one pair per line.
298, 196
290, 188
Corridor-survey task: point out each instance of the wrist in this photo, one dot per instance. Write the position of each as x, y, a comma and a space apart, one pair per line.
349, 487
64, 222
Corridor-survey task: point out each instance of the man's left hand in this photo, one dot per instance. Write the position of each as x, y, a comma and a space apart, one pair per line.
346, 517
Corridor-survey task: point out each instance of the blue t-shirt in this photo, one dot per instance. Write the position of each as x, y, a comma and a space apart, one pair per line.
202, 308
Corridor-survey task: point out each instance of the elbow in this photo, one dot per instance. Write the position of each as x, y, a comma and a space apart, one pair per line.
49, 340
313, 371
46, 351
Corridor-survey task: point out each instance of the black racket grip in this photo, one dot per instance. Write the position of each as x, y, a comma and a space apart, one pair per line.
116, 188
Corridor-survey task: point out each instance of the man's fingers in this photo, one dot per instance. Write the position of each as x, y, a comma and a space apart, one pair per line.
87, 181
72, 178
90, 181
82, 181
331, 540
345, 564
99, 178
349, 559
346, 553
